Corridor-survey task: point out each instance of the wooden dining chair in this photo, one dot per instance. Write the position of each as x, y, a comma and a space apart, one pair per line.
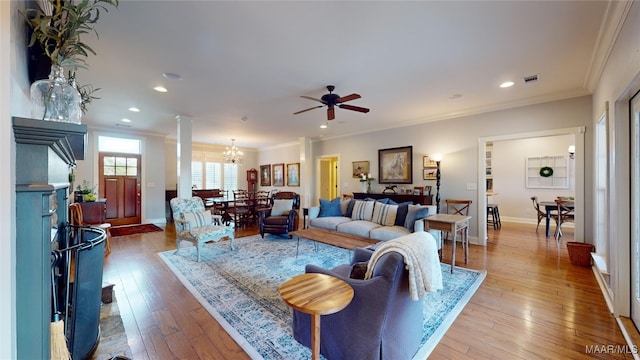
457, 207
240, 211
566, 213
542, 214
77, 219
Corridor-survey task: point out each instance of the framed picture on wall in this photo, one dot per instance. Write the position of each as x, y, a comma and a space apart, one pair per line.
359, 168
278, 174
428, 162
293, 174
429, 174
395, 165
265, 175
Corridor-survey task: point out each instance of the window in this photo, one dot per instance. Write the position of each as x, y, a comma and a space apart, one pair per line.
230, 177
207, 172
213, 174
118, 145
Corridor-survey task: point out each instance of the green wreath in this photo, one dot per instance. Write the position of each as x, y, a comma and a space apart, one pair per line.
546, 171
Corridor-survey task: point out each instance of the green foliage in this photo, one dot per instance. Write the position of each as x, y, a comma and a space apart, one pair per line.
59, 33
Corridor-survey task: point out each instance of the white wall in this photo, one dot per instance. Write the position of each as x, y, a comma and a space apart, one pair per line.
457, 141
509, 169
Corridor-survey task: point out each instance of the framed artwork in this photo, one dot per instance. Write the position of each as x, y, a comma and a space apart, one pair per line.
293, 174
265, 175
428, 162
278, 174
417, 190
359, 168
429, 174
395, 165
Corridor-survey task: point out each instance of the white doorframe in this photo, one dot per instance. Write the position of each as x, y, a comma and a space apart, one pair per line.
578, 132
319, 178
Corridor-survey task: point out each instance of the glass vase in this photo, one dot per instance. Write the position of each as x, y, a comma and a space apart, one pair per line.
53, 99
363, 185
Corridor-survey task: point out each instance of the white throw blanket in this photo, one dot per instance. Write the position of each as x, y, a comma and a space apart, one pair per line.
420, 254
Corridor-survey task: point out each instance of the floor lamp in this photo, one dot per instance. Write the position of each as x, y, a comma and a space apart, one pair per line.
437, 158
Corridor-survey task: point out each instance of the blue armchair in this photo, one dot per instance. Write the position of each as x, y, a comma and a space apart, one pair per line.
382, 322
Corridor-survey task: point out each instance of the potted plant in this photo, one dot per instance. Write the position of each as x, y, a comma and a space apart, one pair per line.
85, 192
58, 29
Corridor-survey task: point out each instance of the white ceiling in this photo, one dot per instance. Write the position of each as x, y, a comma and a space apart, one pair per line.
411, 62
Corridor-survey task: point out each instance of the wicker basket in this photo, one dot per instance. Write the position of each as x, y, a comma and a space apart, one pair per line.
580, 253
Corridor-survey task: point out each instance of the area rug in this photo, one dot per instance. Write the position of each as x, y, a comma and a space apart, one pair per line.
134, 229
239, 288
113, 337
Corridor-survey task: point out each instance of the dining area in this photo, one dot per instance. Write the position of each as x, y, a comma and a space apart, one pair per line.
238, 206
561, 210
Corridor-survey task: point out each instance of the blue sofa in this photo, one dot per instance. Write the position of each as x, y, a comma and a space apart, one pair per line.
381, 322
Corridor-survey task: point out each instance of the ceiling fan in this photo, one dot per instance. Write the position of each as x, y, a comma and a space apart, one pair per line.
332, 100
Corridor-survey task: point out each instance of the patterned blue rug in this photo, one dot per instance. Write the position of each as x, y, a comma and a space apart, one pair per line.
240, 290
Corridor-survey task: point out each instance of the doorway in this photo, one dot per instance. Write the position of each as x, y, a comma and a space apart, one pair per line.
119, 179
328, 170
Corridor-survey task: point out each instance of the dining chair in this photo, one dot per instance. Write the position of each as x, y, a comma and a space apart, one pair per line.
566, 213
542, 214
240, 210
457, 207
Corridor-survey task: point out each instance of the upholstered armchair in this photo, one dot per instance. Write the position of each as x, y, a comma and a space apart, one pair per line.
381, 322
197, 225
281, 216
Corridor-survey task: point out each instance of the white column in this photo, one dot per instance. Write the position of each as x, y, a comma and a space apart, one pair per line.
184, 156
307, 180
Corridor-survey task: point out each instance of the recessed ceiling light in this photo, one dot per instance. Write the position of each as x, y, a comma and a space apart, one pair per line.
506, 84
323, 126
126, 120
134, 109
171, 76
160, 89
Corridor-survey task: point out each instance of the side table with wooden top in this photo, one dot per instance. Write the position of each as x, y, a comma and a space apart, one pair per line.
316, 295
453, 224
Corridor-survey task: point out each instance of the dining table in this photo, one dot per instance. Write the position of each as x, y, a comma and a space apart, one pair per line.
549, 207
224, 201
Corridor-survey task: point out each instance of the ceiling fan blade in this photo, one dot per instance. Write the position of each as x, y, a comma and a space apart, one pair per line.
354, 108
348, 98
311, 108
310, 98
331, 113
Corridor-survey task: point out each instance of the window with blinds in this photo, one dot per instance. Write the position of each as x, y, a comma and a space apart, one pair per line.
230, 177
207, 173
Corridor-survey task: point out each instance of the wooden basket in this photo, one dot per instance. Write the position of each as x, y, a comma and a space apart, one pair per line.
580, 253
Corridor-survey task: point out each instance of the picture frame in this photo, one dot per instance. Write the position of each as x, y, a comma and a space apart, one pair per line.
359, 168
429, 173
395, 165
265, 175
428, 162
293, 174
277, 171
417, 190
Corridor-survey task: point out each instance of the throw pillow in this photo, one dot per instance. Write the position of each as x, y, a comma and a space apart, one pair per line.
330, 208
344, 206
281, 207
349, 211
358, 270
401, 215
415, 212
362, 210
384, 215
197, 219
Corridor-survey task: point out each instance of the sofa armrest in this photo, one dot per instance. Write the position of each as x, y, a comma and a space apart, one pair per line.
314, 211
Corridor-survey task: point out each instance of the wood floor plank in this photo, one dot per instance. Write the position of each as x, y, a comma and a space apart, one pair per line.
533, 304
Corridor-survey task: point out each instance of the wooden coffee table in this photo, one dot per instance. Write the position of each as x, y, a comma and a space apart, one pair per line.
332, 237
316, 294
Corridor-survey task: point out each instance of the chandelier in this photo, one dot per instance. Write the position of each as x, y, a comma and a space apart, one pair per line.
233, 154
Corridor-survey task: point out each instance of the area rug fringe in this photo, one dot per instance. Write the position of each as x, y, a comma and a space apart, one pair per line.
461, 292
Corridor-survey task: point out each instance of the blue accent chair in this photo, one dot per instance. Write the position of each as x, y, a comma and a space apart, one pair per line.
381, 322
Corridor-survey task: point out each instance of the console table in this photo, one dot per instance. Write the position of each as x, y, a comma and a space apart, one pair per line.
399, 198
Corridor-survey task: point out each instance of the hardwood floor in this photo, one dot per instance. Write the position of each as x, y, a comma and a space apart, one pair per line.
534, 304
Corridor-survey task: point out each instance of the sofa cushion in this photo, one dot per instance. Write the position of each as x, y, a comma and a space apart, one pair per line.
357, 227
401, 215
281, 207
346, 207
362, 210
330, 208
197, 219
329, 222
415, 212
385, 233
384, 215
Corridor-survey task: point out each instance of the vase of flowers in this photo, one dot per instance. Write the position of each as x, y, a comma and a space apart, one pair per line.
57, 26
365, 181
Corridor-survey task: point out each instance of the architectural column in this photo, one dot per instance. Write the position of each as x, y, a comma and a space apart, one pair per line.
307, 180
184, 156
